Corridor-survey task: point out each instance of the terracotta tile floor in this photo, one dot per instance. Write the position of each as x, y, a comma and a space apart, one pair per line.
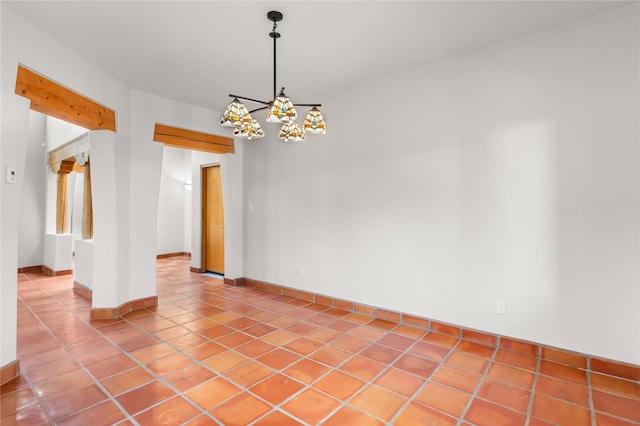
215, 354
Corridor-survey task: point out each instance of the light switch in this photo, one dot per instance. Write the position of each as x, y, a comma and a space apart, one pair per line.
10, 175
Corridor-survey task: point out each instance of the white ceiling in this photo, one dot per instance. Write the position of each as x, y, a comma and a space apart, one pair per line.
200, 51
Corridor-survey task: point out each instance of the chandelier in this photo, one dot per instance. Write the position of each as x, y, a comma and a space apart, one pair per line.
280, 109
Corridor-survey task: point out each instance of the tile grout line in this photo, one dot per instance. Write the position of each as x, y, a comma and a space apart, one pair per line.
82, 366
228, 349
150, 333
39, 400
163, 380
388, 366
483, 377
538, 361
306, 386
142, 365
592, 410
66, 349
529, 412
251, 306
321, 377
96, 381
426, 381
233, 349
332, 369
346, 402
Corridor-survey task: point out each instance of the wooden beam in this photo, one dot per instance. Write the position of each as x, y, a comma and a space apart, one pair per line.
66, 166
51, 98
87, 205
61, 204
189, 139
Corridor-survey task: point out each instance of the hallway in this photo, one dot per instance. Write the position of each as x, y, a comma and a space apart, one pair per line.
215, 354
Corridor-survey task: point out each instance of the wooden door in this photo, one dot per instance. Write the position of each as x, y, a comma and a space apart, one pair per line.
212, 220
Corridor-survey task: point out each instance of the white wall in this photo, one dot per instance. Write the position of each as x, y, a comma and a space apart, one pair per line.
508, 173
232, 171
58, 252
33, 197
83, 268
172, 201
109, 197
76, 200
60, 132
186, 244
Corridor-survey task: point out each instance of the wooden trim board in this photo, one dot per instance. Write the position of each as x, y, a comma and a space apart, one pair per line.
190, 139
586, 362
180, 253
51, 98
124, 309
51, 273
9, 372
82, 290
236, 282
30, 269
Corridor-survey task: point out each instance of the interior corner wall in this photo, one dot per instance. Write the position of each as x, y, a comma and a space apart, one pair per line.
186, 244
171, 201
110, 254
60, 132
7, 332
14, 122
33, 195
507, 173
637, 14
76, 196
232, 172
15, 111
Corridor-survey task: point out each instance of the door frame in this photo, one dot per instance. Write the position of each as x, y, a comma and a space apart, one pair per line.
203, 212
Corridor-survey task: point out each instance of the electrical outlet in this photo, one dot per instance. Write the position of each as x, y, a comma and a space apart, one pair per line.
501, 307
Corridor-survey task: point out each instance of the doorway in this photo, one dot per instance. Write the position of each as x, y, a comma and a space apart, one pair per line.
212, 220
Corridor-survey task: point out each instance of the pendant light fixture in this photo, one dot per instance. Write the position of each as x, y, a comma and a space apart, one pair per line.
280, 110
